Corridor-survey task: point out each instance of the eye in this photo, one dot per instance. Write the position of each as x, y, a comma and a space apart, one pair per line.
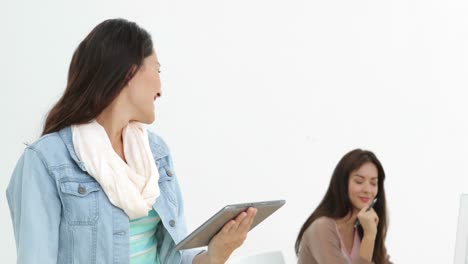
373, 183
358, 182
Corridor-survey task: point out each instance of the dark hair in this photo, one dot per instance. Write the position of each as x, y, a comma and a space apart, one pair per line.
336, 203
100, 67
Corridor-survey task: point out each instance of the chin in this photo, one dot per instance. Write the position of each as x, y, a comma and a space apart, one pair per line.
148, 119
359, 206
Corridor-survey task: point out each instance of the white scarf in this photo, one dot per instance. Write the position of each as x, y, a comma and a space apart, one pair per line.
131, 186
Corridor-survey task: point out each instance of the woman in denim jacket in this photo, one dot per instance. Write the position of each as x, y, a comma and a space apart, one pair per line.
97, 187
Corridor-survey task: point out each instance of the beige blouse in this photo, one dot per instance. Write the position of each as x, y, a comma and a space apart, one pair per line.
321, 244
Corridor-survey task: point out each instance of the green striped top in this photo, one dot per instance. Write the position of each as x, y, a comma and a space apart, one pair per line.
143, 242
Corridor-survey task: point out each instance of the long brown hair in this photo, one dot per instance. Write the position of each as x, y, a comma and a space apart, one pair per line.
336, 203
100, 68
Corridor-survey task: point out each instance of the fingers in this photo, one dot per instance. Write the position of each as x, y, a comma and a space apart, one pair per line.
244, 226
371, 215
362, 211
228, 226
239, 219
375, 217
242, 222
233, 233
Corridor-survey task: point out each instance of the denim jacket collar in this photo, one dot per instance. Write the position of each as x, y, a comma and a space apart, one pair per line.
66, 135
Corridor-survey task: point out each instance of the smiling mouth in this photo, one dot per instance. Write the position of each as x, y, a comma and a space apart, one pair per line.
364, 199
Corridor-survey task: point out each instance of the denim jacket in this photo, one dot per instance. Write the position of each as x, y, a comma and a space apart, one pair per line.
61, 214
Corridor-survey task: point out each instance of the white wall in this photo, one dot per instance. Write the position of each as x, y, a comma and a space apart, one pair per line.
262, 98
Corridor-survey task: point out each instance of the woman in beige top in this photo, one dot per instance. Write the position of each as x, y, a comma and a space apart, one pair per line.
330, 235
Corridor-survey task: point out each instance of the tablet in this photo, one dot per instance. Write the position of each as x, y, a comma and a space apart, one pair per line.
203, 234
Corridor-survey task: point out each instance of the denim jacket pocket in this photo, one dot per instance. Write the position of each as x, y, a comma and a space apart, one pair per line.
80, 202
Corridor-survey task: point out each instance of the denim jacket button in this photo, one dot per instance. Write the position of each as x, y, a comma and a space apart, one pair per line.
81, 190
169, 172
172, 223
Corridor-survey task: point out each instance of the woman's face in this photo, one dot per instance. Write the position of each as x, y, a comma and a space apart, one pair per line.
363, 185
143, 90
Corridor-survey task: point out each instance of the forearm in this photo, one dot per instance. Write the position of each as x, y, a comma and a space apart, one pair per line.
367, 247
205, 258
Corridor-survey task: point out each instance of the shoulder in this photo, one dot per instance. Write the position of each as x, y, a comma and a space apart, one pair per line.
322, 227
321, 223
46, 142
50, 148
37, 161
156, 139
158, 146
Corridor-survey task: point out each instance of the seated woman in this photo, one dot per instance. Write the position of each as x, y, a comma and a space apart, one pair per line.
345, 227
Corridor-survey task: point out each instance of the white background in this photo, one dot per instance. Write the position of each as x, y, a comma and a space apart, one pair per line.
261, 99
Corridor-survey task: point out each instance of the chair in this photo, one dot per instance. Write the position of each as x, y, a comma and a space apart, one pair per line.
270, 257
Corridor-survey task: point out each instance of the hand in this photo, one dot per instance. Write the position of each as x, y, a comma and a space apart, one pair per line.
231, 236
369, 220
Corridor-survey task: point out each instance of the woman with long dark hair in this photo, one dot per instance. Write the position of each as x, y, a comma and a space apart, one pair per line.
343, 229
97, 187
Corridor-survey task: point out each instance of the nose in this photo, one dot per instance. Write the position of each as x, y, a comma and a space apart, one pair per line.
367, 188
